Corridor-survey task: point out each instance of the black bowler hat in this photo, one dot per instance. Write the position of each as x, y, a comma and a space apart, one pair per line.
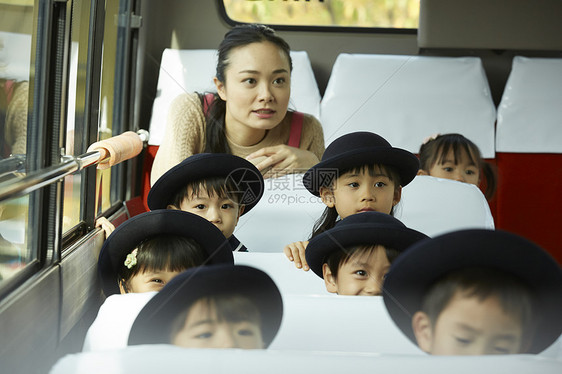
154, 323
367, 228
246, 178
413, 273
137, 229
357, 149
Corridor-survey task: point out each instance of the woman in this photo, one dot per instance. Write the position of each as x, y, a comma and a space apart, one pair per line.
248, 116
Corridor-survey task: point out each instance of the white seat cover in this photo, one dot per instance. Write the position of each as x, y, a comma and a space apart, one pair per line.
167, 359
407, 98
110, 329
286, 213
186, 70
435, 206
340, 324
15, 55
286, 276
530, 112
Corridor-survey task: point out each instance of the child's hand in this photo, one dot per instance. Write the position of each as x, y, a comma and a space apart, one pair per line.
295, 252
105, 225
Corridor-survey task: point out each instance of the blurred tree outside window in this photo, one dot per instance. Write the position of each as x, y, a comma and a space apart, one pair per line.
399, 14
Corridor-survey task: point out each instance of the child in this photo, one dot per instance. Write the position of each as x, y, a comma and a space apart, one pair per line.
216, 186
355, 255
148, 250
452, 156
359, 172
220, 306
475, 292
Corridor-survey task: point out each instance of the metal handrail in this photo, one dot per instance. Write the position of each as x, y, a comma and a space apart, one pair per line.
20, 186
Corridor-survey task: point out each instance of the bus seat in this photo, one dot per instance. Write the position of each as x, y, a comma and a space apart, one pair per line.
407, 98
341, 324
286, 213
435, 206
110, 329
151, 358
193, 70
288, 278
15, 53
529, 152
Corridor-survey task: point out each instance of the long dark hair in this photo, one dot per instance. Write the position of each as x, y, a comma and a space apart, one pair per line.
435, 150
329, 217
237, 37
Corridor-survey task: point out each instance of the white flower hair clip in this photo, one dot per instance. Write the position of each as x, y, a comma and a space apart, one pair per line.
430, 138
131, 259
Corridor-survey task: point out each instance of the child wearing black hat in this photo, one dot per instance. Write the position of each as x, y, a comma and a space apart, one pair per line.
148, 250
216, 186
359, 172
220, 306
475, 292
354, 256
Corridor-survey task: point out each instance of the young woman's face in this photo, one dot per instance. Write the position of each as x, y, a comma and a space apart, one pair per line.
148, 281
362, 275
257, 88
463, 171
221, 212
203, 329
354, 193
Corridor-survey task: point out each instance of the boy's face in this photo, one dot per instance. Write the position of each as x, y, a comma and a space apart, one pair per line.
203, 329
222, 212
469, 326
464, 171
359, 192
363, 274
148, 281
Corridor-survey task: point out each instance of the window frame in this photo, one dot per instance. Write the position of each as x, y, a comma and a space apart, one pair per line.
332, 29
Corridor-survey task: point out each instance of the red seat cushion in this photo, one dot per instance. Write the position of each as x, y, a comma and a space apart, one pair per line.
529, 198
146, 168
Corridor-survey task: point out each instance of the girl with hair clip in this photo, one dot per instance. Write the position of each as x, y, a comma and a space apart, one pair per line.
139, 258
248, 116
147, 251
359, 172
452, 156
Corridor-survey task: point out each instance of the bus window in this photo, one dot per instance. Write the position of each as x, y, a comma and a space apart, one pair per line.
15, 249
16, 27
78, 120
394, 14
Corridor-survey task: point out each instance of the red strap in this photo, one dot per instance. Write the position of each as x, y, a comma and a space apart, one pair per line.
207, 101
296, 130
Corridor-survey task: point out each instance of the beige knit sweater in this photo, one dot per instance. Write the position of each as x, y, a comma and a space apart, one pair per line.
186, 128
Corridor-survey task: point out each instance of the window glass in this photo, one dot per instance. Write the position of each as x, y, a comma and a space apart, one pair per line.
397, 14
15, 248
75, 123
103, 177
16, 28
